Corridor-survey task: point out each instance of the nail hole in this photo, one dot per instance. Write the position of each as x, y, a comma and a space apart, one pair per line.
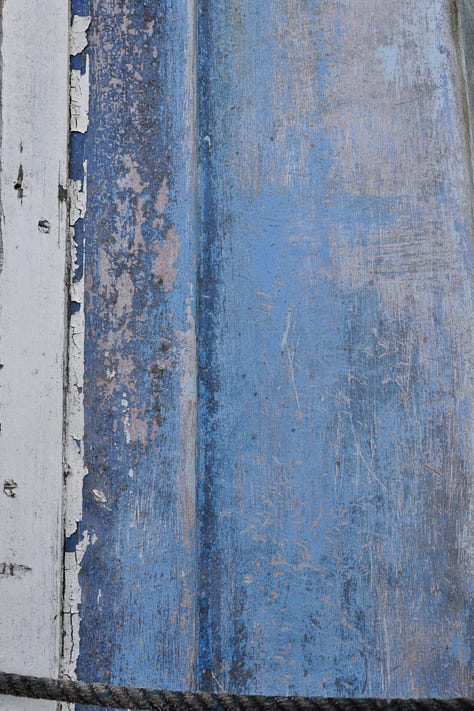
18, 184
9, 487
44, 226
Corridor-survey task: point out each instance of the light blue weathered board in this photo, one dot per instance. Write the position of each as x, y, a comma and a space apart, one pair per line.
139, 579
309, 209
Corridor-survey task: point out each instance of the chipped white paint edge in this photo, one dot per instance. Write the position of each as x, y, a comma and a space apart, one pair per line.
32, 335
74, 427
71, 620
77, 34
80, 99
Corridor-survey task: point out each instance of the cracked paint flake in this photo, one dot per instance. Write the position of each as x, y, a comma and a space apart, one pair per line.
80, 99
72, 601
75, 471
78, 198
74, 455
74, 468
78, 34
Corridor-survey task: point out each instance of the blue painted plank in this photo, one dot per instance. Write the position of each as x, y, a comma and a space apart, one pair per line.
335, 341
138, 579
324, 229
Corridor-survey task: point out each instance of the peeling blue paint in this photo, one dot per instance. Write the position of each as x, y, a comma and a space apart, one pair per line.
318, 231
140, 273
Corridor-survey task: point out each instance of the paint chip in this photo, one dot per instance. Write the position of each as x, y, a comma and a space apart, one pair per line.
99, 496
80, 99
77, 34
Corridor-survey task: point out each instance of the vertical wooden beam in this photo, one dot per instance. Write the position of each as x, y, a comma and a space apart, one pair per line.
138, 573
336, 349
34, 87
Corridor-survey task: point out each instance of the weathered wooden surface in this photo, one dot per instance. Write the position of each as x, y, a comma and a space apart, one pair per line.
34, 115
336, 351
138, 580
329, 550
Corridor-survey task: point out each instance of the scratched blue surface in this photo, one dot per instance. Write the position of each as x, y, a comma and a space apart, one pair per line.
326, 257
137, 612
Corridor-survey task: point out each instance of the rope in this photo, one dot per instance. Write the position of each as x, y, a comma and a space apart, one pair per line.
128, 697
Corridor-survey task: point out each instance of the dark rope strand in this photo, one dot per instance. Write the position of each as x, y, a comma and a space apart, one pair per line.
127, 697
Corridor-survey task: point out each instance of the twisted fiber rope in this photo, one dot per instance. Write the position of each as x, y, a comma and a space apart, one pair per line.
127, 697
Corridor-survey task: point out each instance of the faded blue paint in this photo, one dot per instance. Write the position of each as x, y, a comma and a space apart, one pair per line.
329, 243
138, 579
312, 465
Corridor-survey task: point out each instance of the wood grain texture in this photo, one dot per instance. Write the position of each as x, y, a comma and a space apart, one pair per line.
336, 351
325, 230
138, 577
34, 125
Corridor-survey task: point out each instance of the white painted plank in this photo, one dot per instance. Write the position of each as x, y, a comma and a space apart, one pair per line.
32, 335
